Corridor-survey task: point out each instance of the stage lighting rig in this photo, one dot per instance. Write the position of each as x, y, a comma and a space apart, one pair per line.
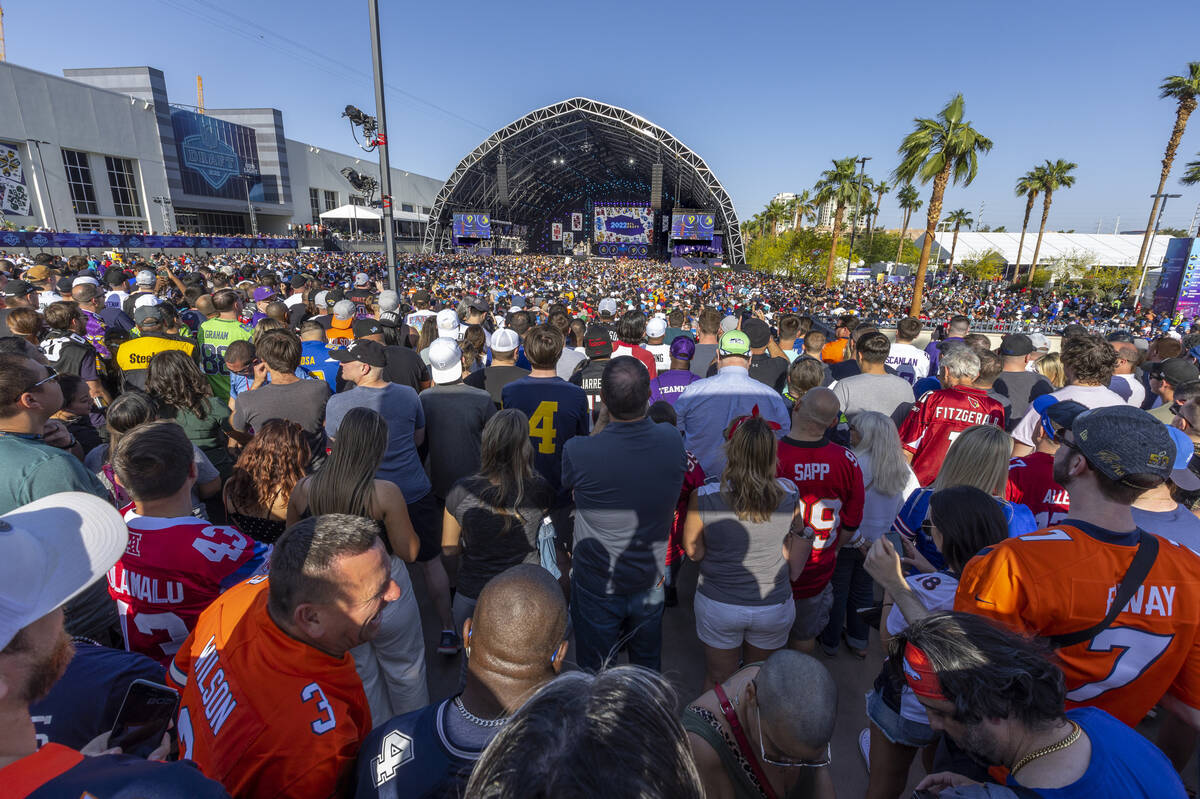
370, 127
363, 184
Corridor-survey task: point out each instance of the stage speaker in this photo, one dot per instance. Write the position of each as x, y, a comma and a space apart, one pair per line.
656, 187
502, 182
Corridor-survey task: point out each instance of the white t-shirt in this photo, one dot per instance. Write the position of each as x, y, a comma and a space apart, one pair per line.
880, 510
1087, 396
662, 355
909, 362
936, 592
1137, 390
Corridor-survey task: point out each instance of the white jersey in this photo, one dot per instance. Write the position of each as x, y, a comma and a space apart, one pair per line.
909, 362
417, 318
936, 592
662, 355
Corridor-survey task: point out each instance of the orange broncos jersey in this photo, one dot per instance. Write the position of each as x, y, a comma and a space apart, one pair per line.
263, 713
1061, 580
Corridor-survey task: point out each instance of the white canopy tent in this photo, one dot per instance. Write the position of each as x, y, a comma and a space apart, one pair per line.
353, 212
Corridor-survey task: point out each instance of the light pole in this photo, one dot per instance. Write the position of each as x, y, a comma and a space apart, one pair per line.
385, 171
1137, 298
862, 162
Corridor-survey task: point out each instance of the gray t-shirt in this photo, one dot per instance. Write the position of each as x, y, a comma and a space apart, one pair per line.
743, 560
400, 408
1021, 389
1179, 525
881, 393
703, 359
302, 402
626, 480
454, 420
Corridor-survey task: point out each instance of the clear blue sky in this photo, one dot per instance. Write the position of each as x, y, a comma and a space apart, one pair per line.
765, 92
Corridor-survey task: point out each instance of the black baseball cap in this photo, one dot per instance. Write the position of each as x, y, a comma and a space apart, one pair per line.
1016, 344
478, 304
18, 288
1175, 371
758, 331
366, 327
297, 282
333, 296
596, 342
363, 351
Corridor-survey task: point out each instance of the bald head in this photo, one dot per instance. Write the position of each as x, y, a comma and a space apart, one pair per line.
819, 407
798, 699
1127, 357
518, 623
204, 304
84, 293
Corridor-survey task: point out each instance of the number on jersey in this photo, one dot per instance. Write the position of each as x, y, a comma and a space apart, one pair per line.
215, 550
1138, 650
821, 516
541, 426
324, 722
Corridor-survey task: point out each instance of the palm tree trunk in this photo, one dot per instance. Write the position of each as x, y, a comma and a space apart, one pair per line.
903, 233
1041, 231
931, 220
953, 247
1186, 106
837, 232
1021, 244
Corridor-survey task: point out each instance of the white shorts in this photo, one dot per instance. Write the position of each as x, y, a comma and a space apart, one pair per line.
724, 626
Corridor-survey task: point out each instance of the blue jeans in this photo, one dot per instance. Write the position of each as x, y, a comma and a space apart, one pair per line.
605, 622
853, 588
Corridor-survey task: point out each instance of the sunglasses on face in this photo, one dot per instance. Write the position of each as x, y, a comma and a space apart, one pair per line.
52, 376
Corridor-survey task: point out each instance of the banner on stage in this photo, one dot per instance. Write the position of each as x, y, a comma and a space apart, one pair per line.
624, 224
568, 239
556, 231
577, 222
14, 195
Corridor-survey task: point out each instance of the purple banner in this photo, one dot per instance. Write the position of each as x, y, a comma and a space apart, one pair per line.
117, 241
1189, 285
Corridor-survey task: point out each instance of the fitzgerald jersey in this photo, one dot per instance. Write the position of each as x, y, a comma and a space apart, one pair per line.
171, 571
214, 338
557, 411
937, 418
830, 486
1062, 579
1031, 483
263, 713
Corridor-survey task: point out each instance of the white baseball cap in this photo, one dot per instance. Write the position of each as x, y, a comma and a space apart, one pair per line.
607, 305
447, 322
388, 300
656, 327
445, 360
344, 309
146, 300
85, 280
145, 278
505, 340
361, 279
50, 551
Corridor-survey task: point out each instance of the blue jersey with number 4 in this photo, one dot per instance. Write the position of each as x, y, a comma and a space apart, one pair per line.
557, 411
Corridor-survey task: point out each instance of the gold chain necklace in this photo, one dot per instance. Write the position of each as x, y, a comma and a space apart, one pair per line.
1063, 744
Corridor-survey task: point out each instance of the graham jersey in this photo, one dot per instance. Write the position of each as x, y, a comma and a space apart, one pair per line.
1031, 483
830, 486
263, 713
171, 571
55, 771
214, 338
937, 418
557, 411
1061, 580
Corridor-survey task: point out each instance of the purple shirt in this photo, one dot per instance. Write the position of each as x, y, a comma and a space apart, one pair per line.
670, 384
934, 350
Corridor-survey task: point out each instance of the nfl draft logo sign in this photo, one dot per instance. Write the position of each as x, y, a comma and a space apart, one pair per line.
211, 158
14, 196
577, 221
556, 231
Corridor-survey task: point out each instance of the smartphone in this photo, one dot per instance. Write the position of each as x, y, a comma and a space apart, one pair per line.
145, 714
896, 541
924, 795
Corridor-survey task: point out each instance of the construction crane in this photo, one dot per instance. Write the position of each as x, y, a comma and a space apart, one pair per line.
199, 94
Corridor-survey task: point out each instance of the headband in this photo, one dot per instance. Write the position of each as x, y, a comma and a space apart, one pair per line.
920, 676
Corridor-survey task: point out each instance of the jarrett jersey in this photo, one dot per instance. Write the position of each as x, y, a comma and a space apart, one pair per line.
171, 571
262, 713
1031, 483
937, 418
1063, 578
830, 485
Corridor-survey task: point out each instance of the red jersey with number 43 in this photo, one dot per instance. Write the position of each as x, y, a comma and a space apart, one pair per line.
1062, 579
1031, 483
262, 713
171, 571
830, 485
937, 419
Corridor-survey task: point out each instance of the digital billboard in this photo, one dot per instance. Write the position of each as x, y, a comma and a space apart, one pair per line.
216, 158
692, 225
623, 224
472, 226
1189, 284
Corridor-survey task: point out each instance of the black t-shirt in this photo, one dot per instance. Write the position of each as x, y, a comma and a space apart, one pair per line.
297, 314
404, 366
769, 370
1021, 389
587, 376
361, 299
493, 379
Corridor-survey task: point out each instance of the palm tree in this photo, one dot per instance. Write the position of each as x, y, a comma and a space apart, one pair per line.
841, 186
881, 188
1055, 175
1028, 186
801, 206
960, 217
774, 213
1191, 173
1182, 88
937, 150
910, 200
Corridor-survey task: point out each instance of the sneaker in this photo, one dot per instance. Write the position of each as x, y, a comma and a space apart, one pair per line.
864, 747
449, 645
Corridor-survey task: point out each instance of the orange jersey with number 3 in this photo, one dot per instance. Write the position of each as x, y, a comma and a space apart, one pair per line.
263, 713
1061, 579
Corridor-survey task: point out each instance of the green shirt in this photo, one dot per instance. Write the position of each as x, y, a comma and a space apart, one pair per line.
31, 469
215, 337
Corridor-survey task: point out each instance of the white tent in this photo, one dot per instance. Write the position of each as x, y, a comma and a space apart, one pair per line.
1105, 249
353, 212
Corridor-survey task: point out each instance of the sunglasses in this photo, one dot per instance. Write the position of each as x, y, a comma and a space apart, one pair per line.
52, 376
785, 763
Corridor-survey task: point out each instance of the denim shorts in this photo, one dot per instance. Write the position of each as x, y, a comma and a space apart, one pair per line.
895, 727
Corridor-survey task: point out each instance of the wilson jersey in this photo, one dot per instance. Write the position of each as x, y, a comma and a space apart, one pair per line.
262, 713
1061, 580
830, 485
938, 418
171, 571
1031, 483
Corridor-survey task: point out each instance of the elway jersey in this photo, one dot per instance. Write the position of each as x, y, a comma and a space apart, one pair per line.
171, 571
830, 486
1062, 579
937, 418
56, 771
264, 714
1031, 483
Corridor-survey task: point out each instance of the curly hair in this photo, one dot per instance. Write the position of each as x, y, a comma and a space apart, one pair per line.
174, 379
269, 467
1090, 360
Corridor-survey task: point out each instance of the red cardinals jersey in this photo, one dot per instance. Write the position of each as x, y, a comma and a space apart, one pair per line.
641, 353
830, 485
262, 713
937, 418
171, 571
693, 478
1062, 579
1031, 483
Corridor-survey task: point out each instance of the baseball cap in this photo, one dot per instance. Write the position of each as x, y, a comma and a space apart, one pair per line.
50, 551
729, 323
146, 312
366, 327
263, 293
361, 279
656, 327
478, 304
18, 288
734, 342
1175, 371
607, 305
41, 272
1039, 341
445, 360
1056, 413
389, 300
1120, 441
1016, 344
319, 297
1185, 452
343, 309
757, 332
297, 282
333, 296
596, 342
85, 280
683, 348
363, 351
447, 322
505, 340
145, 278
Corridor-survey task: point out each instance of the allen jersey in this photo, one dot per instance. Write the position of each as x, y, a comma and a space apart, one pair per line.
830, 486
262, 713
1061, 580
171, 571
1031, 483
937, 418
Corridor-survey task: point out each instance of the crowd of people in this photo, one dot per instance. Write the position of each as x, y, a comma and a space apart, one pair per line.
251, 481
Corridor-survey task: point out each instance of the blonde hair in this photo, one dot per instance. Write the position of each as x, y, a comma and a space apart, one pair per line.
978, 457
748, 483
880, 444
1051, 367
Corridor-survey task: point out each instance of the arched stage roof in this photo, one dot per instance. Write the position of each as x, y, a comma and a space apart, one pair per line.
561, 156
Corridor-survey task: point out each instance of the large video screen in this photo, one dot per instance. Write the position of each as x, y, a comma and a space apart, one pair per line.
217, 158
692, 225
472, 226
624, 224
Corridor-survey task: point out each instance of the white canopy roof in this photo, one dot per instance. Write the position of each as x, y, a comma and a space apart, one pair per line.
353, 212
1108, 249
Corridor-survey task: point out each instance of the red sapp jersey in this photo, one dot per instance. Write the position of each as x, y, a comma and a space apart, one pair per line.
937, 418
830, 486
172, 570
1031, 483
